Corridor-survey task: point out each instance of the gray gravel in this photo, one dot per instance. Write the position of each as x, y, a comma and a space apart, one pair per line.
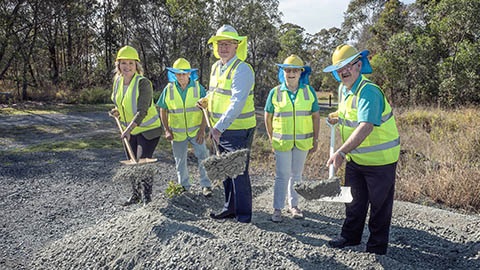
62, 211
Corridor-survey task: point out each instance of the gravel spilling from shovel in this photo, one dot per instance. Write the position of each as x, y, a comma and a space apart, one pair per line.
139, 172
312, 190
230, 164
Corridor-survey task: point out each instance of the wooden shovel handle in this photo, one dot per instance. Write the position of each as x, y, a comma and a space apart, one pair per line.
209, 124
125, 140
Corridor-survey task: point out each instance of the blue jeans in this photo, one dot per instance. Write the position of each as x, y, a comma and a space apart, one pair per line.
180, 154
238, 191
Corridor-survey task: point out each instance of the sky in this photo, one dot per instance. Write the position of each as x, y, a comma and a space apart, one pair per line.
314, 15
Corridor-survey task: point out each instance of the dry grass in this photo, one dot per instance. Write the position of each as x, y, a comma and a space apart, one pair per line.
440, 157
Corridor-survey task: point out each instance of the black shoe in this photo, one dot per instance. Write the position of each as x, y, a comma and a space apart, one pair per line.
146, 200
341, 242
222, 215
131, 200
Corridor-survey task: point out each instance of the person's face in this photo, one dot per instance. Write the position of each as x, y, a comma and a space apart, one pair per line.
349, 73
127, 67
227, 48
183, 78
292, 75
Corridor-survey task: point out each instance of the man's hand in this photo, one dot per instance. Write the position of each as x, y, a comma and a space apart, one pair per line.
333, 118
315, 147
337, 160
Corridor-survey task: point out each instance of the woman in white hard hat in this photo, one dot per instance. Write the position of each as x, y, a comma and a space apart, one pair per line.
132, 94
292, 123
183, 122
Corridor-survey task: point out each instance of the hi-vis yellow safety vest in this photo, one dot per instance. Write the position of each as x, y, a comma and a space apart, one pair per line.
184, 117
126, 104
221, 92
292, 123
382, 145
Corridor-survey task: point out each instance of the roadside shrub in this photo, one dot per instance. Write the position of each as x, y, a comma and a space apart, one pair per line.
97, 95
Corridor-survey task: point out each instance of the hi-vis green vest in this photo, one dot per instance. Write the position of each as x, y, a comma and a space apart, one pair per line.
221, 92
292, 123
184, 117
126, 104
382, 145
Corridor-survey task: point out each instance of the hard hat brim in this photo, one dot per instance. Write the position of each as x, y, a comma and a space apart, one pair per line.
290, 66
181, 71
225, 37
344, 62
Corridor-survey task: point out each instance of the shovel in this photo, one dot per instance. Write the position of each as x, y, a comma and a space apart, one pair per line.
126, 145
221, 166
328, 190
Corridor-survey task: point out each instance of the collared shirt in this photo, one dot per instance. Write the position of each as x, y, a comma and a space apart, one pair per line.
183, 93
242, 81
269, 104
370, 103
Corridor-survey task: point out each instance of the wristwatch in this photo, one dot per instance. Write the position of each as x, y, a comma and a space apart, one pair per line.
342, 154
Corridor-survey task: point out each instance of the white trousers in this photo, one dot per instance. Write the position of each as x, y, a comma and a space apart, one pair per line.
180, 154
288, 170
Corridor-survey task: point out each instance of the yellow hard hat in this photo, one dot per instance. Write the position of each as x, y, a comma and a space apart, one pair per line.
127, 52
345, 54
181, 63
293, 61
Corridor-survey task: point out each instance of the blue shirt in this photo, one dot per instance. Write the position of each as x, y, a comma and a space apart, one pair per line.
370, 102
242, 81
183, 93
269, 104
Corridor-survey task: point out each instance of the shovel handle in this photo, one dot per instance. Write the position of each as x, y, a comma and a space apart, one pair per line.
125, 140
331, 169
209, 124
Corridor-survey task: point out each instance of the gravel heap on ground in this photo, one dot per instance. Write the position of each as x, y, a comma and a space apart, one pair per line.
62, 211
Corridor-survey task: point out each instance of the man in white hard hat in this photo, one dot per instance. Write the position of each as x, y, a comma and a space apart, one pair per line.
232, 113
371, 147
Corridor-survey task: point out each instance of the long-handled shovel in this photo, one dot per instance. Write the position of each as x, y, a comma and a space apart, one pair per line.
126, 145
221, 166
345, 195
328, 189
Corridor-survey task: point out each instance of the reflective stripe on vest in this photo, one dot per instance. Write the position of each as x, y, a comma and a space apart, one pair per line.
292, 123
126, 103
382, 145
184, 117
221, 93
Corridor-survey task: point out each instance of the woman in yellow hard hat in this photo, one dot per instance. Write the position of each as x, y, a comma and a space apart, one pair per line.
183, 122
292, 123
133, 98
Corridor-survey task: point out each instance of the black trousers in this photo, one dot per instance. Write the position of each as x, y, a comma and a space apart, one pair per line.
142, 147
372, 186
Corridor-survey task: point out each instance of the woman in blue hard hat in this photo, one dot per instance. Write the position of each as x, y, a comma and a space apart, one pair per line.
132, 94
292, 123
184, 122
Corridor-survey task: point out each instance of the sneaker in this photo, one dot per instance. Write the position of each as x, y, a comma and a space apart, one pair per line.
277, 215
296, 213
207, 191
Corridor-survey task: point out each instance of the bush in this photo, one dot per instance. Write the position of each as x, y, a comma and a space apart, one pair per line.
97, 95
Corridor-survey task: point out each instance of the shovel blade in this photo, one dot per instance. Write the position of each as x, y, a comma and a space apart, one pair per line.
345, 196
140, 161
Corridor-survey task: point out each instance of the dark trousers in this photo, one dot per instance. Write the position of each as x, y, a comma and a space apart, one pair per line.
238, 191
142, 147
374, 186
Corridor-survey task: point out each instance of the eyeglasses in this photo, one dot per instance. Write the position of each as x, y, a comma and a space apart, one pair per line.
226, 43
348, 67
